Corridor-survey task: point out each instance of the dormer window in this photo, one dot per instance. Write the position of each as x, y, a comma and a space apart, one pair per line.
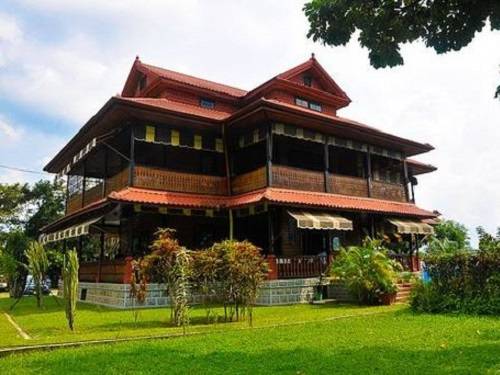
207, 103
307, 104
302, 102
315, 106
307, 80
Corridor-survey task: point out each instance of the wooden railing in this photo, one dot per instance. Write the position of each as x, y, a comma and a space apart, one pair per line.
118, 181
253, 180
161, 179
388, 191
348, 185
112, 271
301, 266
299, 179
74, 203
92, 195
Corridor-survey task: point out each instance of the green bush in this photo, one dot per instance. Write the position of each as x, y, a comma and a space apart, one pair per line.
464, 282
367, 271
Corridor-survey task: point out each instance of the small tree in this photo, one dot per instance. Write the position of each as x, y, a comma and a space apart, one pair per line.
38, 265
169, 264
70, 280
242, 270
367, 271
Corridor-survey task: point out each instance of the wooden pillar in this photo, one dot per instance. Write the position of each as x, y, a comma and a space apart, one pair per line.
326, 165
227, 164
83, 182
132, 157
412, 191
369, 171
231, 224
406, 179
270, 232
105, 174
269, 155
66, 194
101, 256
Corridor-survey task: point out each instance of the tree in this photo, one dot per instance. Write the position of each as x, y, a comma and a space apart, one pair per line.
70, 282
38, 264
24, 210
449, 237
444, 25
488, 242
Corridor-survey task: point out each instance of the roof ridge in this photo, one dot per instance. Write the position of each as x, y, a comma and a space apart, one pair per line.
160, 70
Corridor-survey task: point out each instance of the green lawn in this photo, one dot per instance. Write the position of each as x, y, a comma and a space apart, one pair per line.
94, 322
395, 341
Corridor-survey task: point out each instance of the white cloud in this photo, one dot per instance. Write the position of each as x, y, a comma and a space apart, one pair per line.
445, 100
8, 133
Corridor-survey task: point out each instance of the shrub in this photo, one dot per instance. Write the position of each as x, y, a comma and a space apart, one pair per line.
367, 271
241, 271
169, 264
464, 282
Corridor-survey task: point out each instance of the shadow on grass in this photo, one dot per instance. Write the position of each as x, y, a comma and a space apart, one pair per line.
215, 357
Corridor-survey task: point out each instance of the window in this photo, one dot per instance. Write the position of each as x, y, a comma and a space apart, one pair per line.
306, 104
307, 81
302, 102
315, 106
207, 103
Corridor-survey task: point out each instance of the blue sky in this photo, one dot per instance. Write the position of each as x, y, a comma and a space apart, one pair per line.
61, 60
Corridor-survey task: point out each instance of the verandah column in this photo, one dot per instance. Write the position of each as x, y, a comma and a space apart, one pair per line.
406, 179
369, 171
326, 160
271, 257
269, 154
132, 157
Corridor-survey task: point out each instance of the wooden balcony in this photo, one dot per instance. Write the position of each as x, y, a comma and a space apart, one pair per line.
301, 266
162, 179
299, 179
253, 180
388, 191
347, 185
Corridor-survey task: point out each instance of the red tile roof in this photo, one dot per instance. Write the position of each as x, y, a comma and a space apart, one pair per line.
195, 81
165, 198
280, 196
178, 107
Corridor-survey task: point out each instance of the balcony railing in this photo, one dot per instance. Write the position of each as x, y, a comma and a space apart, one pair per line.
162, 179
253, 180
389, 191
300, 179
347, 185
301, 266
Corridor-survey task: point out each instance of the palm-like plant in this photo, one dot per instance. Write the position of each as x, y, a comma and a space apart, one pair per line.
70, 280
38, 264
367, 271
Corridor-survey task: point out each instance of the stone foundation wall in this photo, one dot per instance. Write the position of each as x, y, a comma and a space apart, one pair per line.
272, 292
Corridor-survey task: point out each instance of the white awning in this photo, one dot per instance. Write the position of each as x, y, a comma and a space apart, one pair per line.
76, 230
411, 227
320, 220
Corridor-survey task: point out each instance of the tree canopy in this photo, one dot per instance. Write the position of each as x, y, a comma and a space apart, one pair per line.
383, 25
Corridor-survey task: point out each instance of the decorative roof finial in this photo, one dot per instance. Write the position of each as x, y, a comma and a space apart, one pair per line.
137, 58
312, 56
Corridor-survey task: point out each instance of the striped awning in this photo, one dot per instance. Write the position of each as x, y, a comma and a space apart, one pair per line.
179, 138
77, 230
78, 156
320, 220
404, 226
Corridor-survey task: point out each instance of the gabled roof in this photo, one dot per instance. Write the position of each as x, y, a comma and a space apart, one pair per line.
177, 107
314, 67
154, 72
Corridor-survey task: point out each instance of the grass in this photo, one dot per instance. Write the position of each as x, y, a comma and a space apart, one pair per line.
48, 325
395, 341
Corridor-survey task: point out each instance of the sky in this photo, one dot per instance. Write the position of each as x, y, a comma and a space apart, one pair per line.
61, 60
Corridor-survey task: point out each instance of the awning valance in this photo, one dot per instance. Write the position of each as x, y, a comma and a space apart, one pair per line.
320, 220
405, 226
76, 230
